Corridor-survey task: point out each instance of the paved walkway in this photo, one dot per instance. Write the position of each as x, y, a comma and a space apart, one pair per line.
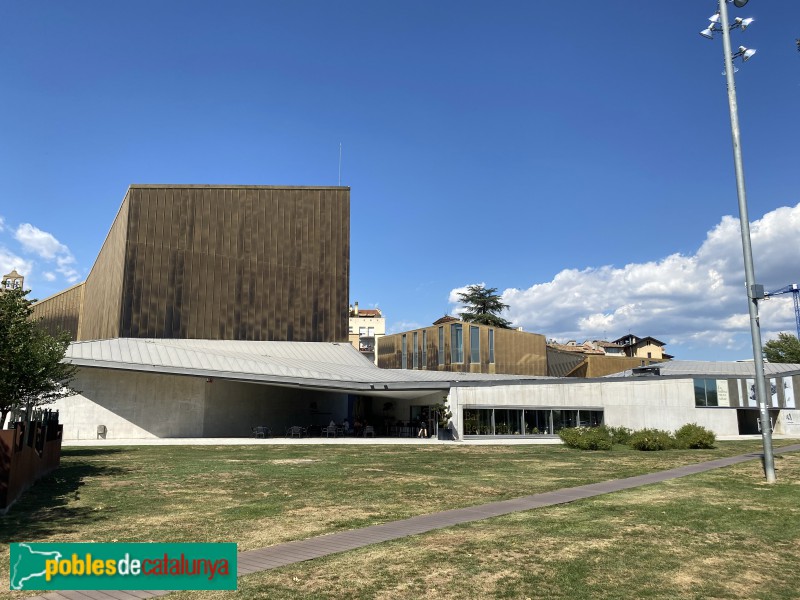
288, 553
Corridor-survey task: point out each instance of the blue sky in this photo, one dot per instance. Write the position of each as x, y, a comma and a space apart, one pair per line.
576, 156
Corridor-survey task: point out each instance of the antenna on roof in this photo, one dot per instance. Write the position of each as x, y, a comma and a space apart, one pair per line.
340, 164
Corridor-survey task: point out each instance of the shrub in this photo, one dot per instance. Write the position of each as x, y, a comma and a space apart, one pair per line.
694, 436
586, 438
651, 439
620, 435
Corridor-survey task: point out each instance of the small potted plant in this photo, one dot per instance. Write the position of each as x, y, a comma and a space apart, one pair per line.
443, 416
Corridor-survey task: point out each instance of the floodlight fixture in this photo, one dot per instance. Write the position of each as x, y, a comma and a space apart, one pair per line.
739, 3
744, 23
714, 18
746, 53
708, 33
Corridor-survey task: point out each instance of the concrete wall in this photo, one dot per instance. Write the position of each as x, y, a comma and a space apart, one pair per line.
788, 422
232, 408
663, 404
133, 405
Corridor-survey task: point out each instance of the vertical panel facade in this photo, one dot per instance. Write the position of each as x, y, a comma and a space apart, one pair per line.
61, 312
222, 262
514, 352
237, 263
102, 295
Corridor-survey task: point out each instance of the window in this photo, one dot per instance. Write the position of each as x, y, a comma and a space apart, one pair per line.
441, 345
415, 351
537, 422
526, 421
491, 346
474, 344
371, 331
362, 331
456, 343
563, 419
404, 358
351, 329
478, 421
705, 392
424, 349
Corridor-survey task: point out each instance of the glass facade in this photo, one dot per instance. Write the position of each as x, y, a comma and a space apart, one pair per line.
441, 345
415, 351
527, 421
424, 349
705, 392
456, 343
491, 346
474, 344
404, 357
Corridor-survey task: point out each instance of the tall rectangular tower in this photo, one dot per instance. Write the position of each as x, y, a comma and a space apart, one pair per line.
223, 262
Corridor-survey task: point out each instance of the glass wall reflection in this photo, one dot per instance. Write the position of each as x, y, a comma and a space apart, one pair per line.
527, 421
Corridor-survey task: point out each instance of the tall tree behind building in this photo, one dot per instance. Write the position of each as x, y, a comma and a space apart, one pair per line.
786, 349
483, 306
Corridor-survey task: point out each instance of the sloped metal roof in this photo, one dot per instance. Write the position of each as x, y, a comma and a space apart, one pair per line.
316, 364
698, 368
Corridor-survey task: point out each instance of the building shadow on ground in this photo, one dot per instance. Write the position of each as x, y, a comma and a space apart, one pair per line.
48, 507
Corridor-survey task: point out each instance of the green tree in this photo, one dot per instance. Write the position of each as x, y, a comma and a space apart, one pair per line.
31, 371
786, 349
483, 306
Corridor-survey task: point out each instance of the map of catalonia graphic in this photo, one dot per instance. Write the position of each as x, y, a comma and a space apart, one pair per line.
28, 564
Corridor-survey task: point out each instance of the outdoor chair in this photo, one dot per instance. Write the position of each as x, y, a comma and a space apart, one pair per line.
369, 430
329, 431
294, 431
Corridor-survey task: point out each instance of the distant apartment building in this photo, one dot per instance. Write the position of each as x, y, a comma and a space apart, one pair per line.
454, 345
642, 347
367, 326
596, 358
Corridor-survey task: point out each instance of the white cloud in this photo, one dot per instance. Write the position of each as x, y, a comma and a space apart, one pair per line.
49, 276
40, 242
2, 224
47, 247
10, 261
696, 300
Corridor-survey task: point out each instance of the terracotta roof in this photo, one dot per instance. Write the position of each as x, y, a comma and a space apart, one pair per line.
609, 345
576, 348
367, 312
445, 319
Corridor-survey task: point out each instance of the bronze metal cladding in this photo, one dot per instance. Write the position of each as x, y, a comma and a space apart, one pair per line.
515, 352
61, 312
223, 262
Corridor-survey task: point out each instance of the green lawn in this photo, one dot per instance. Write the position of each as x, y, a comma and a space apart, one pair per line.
696, 537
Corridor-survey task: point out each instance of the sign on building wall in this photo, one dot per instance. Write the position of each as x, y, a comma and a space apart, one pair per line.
723, 398
750, 389
788, 392
780, 393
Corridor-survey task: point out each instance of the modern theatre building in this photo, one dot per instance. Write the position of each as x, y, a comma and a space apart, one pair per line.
214, 309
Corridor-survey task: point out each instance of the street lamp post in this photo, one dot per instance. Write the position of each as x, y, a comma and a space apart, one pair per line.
755, 292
